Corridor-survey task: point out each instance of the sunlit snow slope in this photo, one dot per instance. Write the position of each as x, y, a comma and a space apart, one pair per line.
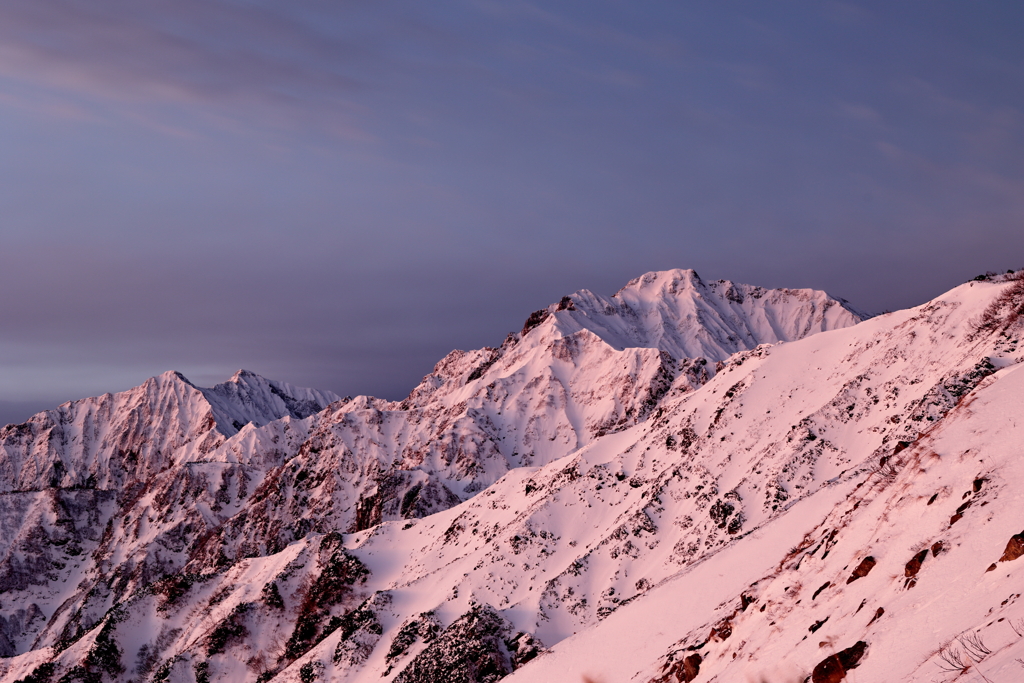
650, 486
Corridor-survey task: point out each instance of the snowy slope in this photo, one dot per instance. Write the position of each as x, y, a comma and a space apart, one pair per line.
69, 473
544, 393
576, 488
937, 531
651, 508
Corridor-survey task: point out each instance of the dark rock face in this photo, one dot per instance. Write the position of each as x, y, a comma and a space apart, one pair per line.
45, 529
833, 669
691, 667
959, 513
1014, 549
230, 631
340, 572
536, 318
683, 671
471, 650
818, 624
914, 566
45, 535
360, 631
720, 512
721, 631
522, 648
425, 627
16, 623
862, 570
395, 496
41, 674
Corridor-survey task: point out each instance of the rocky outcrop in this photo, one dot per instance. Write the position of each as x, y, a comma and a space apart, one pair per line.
471, 650
862, 569
834, 668
1014, 548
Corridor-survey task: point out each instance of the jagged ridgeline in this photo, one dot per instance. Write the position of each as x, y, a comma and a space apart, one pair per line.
611, 450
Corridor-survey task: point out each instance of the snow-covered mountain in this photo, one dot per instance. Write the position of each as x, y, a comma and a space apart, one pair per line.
626, 487
677, 312
905, 569
115, 440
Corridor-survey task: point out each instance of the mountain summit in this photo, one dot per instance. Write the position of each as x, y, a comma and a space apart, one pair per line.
679, 313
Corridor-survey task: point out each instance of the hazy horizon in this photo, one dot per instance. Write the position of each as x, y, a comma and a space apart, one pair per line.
336, 196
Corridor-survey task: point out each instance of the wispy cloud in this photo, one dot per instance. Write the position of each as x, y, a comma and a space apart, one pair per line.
860, 112
46, 105
217, 55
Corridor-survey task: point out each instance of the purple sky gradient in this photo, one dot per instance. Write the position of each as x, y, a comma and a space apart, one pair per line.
337, 194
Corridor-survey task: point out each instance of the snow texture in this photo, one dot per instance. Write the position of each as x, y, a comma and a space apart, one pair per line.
685, 481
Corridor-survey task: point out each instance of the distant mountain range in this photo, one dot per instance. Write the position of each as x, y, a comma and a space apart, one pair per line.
686, 481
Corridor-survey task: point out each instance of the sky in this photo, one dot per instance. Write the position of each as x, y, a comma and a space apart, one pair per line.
336, 194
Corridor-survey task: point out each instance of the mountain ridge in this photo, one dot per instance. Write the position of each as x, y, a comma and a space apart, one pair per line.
519, 495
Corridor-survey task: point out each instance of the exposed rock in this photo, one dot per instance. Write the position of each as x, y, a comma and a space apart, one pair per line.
535, 319
959, 513
523, 647
359, 631
230, 631
683, 670
914, 566
862, 570
721, 631
339, 572
690, 667
720, 512
41, 674
816, 625
1014, 548
833, 669
425, 627
471, 650
17, 623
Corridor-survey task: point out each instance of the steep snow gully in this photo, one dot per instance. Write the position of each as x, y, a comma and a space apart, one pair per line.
686, 481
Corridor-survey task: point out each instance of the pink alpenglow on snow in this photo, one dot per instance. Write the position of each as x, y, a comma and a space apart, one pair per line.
686, 481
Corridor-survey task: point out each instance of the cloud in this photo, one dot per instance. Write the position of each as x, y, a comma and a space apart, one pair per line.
860, 112
846, 12
46, 105
212, 54
185, 51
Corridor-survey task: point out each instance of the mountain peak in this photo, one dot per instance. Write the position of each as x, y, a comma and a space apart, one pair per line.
250, 397
664, 280
679, 313
172, 377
